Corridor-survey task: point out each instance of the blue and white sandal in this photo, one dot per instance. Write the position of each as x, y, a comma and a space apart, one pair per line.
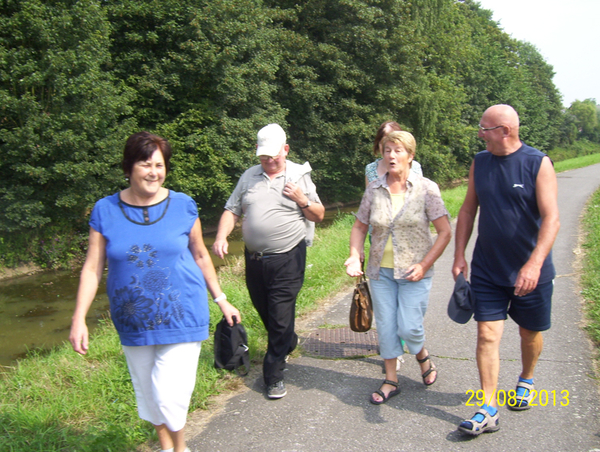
522, 401
474, 427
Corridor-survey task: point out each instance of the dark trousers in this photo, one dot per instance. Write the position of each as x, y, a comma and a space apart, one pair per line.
274, 282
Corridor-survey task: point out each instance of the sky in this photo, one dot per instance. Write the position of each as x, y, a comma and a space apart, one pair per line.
565, 32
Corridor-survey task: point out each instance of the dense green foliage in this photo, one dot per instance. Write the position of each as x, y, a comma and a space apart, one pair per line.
78, 76
63, 114
585, 117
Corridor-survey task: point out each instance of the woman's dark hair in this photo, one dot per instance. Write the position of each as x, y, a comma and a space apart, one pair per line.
393, 126
140, 147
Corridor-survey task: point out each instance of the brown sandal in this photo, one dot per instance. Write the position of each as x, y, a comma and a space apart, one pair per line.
432, 368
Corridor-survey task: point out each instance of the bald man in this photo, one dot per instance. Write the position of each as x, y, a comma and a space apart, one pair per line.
515, 188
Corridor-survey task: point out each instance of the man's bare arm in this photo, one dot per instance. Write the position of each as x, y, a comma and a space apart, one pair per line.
546, 187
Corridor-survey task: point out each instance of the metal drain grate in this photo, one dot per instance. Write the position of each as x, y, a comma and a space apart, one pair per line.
341, 343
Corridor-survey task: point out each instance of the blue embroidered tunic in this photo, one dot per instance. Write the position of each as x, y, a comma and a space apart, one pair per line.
156, 290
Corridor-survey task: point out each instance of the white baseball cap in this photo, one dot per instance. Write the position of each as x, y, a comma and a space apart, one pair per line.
270, 139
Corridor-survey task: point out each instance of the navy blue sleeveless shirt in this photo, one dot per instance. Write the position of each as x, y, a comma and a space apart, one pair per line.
509, 219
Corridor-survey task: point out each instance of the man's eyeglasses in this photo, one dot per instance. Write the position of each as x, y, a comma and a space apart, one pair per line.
485, 129
266, 158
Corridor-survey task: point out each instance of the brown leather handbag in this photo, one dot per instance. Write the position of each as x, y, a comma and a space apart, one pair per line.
361, 309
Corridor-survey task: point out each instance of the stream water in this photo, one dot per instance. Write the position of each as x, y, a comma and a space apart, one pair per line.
35, 311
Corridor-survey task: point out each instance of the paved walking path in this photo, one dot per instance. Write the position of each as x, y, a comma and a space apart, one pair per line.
327, 407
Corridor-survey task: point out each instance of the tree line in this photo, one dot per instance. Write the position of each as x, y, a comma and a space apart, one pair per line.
79, 76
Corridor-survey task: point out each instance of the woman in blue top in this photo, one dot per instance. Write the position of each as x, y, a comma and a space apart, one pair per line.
158, 272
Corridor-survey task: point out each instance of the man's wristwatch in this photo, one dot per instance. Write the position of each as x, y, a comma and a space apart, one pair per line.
307, 205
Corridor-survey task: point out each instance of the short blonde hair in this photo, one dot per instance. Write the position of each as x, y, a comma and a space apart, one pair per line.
404, 138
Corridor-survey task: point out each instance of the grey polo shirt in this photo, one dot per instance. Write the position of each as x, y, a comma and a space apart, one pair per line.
272, 222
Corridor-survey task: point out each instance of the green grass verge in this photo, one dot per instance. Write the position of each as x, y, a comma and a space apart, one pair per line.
578, 162
590, 279
578, 149
453, 199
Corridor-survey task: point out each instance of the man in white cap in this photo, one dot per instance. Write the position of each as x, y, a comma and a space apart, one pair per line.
279, 203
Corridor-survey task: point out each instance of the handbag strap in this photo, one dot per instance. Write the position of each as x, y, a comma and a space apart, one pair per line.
361, 278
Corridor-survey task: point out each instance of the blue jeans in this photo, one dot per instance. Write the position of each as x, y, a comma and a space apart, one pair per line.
399, 306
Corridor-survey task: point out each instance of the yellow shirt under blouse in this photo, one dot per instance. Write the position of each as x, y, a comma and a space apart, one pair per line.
388, 253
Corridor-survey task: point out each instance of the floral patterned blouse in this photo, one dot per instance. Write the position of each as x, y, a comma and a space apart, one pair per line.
156, 290
411, 236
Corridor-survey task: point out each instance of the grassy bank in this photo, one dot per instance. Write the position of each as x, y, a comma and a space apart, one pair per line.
580, 148
61, 401
579, 162
590, 279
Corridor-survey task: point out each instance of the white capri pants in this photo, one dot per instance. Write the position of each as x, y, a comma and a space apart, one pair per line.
163, 378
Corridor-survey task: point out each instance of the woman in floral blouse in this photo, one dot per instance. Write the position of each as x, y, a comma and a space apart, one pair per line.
399, 207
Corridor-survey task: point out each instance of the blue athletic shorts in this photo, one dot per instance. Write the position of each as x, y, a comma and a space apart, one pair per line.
493, 302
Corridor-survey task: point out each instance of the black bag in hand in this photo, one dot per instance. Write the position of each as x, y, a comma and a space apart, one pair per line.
231, 347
